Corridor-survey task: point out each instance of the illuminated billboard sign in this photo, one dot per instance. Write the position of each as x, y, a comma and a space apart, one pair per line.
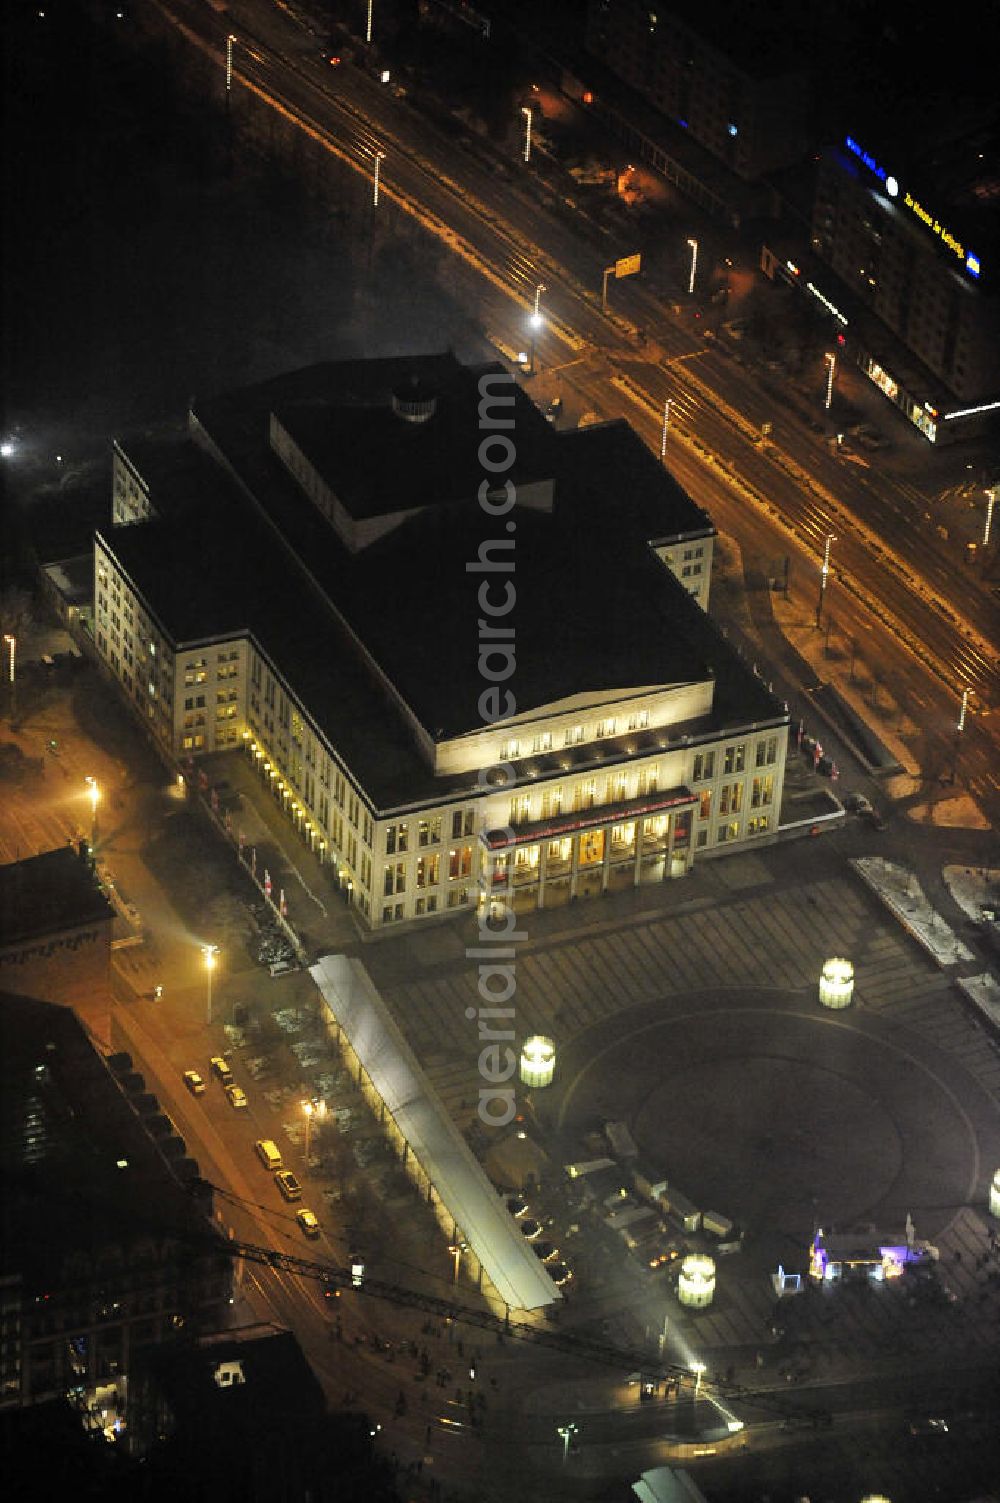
968, 258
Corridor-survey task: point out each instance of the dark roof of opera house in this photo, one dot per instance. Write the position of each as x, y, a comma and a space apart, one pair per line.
595, 609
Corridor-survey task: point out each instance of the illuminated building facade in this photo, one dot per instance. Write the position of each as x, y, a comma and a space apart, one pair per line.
740, 91
916, 246
449, 702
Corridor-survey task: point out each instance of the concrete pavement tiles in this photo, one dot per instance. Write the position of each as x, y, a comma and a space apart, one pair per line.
753, 926
760, 927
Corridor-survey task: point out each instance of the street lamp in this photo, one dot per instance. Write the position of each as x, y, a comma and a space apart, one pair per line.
209, 952
311, 1109
694, 264
823, 577
566, 1433
961, 714
368, 23
831, 361
526, 112
991, 496
230, 39
94, 794
535, 322
455, 1248
379, 159
11, 642
666, 425
698, 1368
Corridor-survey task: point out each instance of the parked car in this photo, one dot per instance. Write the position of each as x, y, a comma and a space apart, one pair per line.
220, 1069
545, 1251
288, 1184
194, 1082
237, 1097
308, 1222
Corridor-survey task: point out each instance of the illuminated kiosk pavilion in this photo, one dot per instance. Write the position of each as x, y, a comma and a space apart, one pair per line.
696, 1281
538, 1061
869, 1254
836, 983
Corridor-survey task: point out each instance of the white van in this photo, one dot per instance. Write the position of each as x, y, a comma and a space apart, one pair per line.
269, 1153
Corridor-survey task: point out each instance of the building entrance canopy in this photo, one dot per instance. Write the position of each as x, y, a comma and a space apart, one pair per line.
433, 1139
589, 819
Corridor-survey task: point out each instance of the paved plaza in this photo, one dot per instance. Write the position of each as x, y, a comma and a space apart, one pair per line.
692, 1014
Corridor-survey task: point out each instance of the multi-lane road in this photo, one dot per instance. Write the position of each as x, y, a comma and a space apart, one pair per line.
934, 626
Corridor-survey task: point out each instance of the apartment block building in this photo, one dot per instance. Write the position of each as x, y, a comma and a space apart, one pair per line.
467, 654
104, 1248
739, 89
912, 232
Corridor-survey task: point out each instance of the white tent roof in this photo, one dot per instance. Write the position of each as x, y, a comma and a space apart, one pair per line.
665, 1484
433, 1138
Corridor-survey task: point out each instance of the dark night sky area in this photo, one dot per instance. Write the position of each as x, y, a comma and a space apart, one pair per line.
136, 272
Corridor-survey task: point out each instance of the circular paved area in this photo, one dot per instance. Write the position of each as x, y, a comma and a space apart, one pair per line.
772, 1111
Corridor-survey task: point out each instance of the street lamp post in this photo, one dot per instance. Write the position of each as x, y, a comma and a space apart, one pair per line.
959, 729
666, 425
94, 794
694, 265
566, 1433
824, 572
831, 362
527, 112
11, 643
230, 39
991, 496
698, 1368
312, 1109
535, 323
379, 159
209, 952
368, 22
961, 714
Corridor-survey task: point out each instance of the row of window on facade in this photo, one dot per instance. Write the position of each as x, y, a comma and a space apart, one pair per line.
227, 665
457, 897
733, 759
428, 831
574, 735
428, 870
